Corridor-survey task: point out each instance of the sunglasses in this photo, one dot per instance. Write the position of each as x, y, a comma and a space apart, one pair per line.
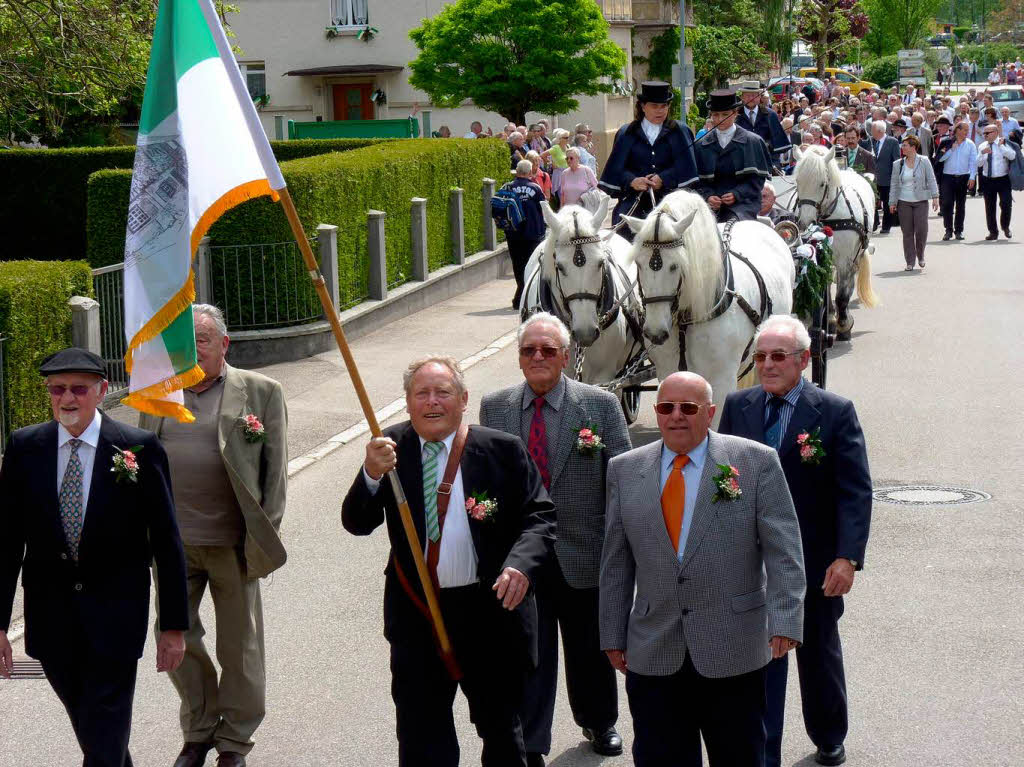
668, 408
547, 352
775, 356
79, 390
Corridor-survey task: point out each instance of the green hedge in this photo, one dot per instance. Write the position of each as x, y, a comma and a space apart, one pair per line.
36, 320
335, 188
43, 197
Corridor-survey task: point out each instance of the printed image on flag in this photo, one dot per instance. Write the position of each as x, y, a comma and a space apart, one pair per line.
201, 150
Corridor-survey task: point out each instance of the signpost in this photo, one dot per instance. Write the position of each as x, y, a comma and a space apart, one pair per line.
911, 66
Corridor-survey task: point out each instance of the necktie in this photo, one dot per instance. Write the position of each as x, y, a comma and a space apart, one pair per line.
70, 500
673, 499
430, 453
772, 425
750, 115
989, 162
537, 445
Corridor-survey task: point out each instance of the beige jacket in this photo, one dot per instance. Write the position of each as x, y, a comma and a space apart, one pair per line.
258, 471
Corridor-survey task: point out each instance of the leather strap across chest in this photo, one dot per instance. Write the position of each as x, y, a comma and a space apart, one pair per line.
444, 495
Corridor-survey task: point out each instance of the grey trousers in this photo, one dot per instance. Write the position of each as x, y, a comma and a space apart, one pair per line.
226, 711
914, 225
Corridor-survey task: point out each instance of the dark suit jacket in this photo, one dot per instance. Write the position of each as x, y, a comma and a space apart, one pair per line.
833, 498
886, 156
864, 157
521, 535
768, 127
102, 601
742, 168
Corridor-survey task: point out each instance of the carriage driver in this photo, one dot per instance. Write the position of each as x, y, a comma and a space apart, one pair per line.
652, 152
732, 162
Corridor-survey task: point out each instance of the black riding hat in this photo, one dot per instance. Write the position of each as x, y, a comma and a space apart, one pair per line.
723, 100
655, 92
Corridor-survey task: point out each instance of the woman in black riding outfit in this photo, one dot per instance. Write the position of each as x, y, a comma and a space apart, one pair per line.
652, 152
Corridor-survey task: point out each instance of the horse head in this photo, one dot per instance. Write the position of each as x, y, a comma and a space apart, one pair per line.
573, 263
817, 183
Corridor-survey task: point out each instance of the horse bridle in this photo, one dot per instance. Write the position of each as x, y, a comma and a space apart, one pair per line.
822, 215
579, 260
656, 263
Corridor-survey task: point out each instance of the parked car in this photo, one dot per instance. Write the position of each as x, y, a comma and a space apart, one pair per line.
1011, 96
780, 88
854, 83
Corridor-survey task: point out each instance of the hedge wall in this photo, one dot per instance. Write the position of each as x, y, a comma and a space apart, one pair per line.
336, 188
35, 318
43, 197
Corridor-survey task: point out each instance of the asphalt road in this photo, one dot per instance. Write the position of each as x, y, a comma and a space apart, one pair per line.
932, 629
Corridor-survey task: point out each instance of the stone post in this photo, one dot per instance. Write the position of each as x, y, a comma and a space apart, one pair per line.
204, 272
378, 283
426, 123
327, 237
85, 323
490, 230
279, 127
458, 226
420, 262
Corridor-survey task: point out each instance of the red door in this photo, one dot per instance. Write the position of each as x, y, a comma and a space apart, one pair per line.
352, 102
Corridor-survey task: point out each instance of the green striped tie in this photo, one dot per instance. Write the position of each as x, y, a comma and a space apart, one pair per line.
430, 453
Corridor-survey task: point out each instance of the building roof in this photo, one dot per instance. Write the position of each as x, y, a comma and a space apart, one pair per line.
347, 69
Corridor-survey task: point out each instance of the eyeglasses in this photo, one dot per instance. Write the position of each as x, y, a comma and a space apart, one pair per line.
775, 356
548, 352
79, 390
686, 408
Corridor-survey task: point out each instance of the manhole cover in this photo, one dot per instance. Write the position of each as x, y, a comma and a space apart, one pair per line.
929, 495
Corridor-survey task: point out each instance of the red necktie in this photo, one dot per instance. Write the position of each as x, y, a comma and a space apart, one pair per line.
538, 442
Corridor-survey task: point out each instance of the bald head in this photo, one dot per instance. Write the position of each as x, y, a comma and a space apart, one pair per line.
682, 432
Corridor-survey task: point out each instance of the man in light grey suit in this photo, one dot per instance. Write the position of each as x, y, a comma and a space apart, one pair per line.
718, 570
547, 411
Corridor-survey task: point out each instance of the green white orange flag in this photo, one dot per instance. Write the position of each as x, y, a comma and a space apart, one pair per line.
201, 150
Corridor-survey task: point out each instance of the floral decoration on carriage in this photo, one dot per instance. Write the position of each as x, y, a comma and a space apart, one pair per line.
814, 264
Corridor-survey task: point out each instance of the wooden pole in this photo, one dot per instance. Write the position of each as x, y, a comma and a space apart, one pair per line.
447, 655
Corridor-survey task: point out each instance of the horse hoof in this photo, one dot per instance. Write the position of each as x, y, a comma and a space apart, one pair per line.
844, 335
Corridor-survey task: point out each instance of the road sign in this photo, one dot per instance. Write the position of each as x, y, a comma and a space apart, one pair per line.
682, 76
913, 81
910, 53
911, 72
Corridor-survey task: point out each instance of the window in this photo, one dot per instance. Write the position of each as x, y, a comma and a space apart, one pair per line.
349, 13
255, 75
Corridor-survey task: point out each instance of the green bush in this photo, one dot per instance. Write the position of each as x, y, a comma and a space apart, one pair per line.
883, 70
43, 197
996, 52
335, 188
36, 320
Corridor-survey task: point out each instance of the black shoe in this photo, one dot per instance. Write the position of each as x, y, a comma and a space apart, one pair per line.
193, 755
947, 236
234, 759
607, 743
1007, 233
959, 235
535, 760
991, 236
830, 755
885, 230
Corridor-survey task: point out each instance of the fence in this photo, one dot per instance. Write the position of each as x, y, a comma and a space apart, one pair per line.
108, 287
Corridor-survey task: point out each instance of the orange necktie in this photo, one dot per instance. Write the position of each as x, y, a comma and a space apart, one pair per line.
673, 498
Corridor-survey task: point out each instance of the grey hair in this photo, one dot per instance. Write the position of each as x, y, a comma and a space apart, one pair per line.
532, 155
544, 318
214, 314
458, 377
574, 151
787, 323
879, 125
524, 168
581, 139
514, 135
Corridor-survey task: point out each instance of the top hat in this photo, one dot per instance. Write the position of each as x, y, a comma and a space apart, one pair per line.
655, 92
723, 100
73, 360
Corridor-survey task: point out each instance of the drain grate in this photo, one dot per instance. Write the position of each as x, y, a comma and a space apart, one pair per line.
929, 495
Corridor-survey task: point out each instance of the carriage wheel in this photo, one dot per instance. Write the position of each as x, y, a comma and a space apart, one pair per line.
629, 398
821, 340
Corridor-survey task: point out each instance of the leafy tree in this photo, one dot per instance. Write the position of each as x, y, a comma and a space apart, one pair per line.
516, 56
908, 22
719, 54
883, 70
833, 28
1009, 18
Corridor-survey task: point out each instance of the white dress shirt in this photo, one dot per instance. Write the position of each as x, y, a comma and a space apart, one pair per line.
1002, 156
691, 473
751, 115
725, 136
651, 130
457, 560
86, 455
1009, 126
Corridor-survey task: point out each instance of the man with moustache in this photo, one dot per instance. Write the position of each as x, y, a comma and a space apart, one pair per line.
85, 507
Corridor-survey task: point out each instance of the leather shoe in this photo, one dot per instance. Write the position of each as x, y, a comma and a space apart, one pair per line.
947, 236
830, 755
535, 760
234, 759
193, 754
885, 230
991, 236
607, 743
1007, 233
959, 235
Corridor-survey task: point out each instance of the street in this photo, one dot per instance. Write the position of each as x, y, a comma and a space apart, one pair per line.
932, 630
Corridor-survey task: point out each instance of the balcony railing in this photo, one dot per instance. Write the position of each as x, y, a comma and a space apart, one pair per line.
617, 10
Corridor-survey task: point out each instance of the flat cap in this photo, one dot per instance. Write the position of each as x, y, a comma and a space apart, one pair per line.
73, 360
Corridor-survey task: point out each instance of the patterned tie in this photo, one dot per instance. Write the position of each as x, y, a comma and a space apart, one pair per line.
673, 500
989, 162
773, 425
430, 452
70, 500
538, 442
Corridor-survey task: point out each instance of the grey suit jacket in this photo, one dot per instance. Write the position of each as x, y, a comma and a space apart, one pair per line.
577, 481
258, 470
741, 580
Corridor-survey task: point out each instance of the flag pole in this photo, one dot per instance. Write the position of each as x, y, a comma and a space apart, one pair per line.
447, 654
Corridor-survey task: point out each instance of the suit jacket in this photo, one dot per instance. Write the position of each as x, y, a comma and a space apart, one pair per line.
521, 535
888, 153
833, 498
258, 471
768, 127
863, 157
742, 168
577, 480
924, 134
101, 602
741, 580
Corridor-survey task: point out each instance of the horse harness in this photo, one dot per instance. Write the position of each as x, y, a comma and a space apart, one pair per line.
850, 224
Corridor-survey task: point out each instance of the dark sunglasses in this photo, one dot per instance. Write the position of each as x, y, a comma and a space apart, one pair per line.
775, 356
79, 390
548, 352
667, 408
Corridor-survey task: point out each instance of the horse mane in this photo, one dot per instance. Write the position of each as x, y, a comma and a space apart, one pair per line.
565, 218
700, 257
813, 169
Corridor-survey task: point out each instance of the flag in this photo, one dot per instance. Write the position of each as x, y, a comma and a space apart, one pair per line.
201, 150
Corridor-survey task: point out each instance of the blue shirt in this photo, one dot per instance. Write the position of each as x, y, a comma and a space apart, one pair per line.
691, 473
961, 160
786, 410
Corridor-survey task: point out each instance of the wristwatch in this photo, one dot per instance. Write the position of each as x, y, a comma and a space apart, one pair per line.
853, 562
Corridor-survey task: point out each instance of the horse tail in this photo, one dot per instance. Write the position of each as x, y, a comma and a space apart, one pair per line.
868, 297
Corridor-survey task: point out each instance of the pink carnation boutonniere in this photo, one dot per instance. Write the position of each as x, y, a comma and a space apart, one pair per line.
480, 507
588, 441
811, 450
725, 481
126, 464
253, 428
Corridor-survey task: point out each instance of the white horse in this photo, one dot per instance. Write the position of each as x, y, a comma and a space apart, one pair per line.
586, 280
689, 286
839, 199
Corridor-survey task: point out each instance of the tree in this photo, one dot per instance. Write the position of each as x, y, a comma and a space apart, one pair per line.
516, 56
908, 22
719, 54
833, 28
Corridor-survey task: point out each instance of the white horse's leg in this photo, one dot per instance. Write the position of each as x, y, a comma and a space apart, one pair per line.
713, 350
665, 356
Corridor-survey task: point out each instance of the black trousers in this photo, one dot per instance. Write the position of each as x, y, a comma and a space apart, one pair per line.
671, 713
993, 189
97, 694
520, 250
492, 683
953, 200
888, 219
589, 677
819, 661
